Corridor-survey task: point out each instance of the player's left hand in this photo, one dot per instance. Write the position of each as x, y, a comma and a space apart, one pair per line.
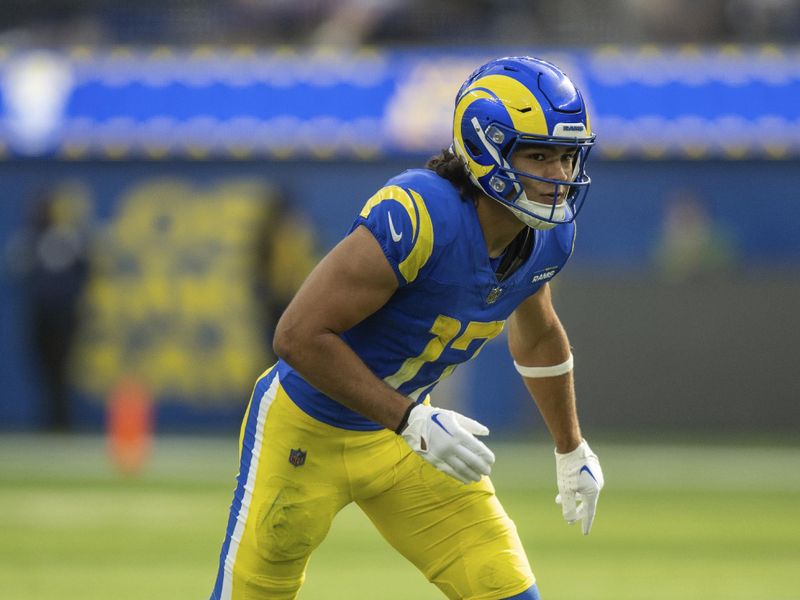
580, 480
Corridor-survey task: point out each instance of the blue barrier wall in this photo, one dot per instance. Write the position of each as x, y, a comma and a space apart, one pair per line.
756, 204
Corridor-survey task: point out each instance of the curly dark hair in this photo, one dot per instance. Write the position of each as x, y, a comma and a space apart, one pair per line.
449, 166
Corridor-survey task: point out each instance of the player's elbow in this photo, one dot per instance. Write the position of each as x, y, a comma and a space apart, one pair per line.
286, 341
521, 354
527, 347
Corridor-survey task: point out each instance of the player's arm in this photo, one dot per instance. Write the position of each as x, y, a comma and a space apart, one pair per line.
541, 351
353, 281
536, 338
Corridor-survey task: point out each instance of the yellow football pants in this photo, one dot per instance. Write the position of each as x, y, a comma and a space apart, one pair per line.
296, 473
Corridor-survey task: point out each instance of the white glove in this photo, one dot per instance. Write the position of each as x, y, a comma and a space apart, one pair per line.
447, 440
579, 478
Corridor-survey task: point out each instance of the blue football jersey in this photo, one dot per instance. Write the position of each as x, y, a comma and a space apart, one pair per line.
449, 302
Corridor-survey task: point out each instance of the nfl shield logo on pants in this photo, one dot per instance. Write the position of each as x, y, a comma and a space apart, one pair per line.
297, 457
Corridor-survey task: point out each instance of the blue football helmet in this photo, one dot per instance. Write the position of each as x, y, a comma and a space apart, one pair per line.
508, 103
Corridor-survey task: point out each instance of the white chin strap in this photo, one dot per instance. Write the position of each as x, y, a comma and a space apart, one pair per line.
540, 210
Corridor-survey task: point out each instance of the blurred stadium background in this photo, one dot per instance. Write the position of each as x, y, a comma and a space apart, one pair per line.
171, 171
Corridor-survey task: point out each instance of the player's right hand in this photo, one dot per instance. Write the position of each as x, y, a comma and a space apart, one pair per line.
579, 479
447, 440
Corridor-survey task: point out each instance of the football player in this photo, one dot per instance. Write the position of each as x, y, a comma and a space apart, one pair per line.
435, 264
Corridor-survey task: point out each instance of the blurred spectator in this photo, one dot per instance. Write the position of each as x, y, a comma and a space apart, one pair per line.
50, 256
353, 22
759, 20
692, 245
356, 22
682, 21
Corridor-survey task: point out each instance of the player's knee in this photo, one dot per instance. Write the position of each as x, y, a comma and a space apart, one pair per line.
274, 588
293, 522
502, 570
532, 593
486, 573
259, 585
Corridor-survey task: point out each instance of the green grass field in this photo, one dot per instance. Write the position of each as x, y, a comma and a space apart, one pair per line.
675, 521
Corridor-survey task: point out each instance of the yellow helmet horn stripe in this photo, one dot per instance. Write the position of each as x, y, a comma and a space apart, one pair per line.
468, 98
516, 97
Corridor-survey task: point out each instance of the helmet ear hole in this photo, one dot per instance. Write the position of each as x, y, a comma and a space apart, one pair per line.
472, 148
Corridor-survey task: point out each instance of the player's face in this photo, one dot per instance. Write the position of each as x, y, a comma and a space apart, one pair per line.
551, 162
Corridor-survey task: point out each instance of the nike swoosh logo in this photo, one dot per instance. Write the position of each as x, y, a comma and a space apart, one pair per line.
395, 236
585, 468
435, 419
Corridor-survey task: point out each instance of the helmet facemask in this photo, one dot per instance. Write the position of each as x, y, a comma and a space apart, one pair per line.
506, 183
